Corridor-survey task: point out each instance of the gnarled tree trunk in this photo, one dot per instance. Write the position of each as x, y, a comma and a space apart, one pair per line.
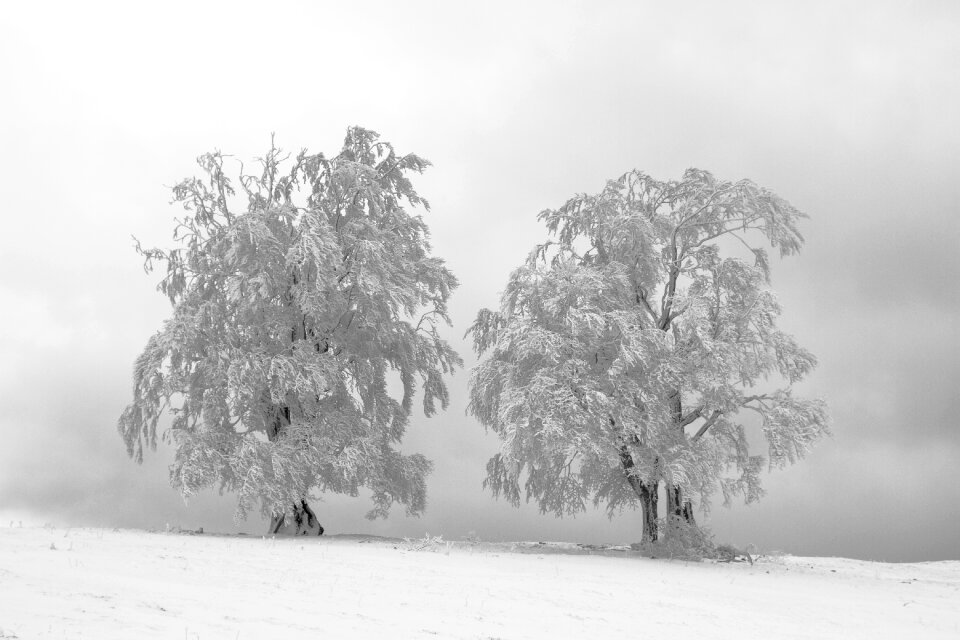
679, 508
300, 520
647, 492
649, 499
303, 522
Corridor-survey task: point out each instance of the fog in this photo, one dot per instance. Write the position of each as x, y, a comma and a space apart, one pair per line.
846, 110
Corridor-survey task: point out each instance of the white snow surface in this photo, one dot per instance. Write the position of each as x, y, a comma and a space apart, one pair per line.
93, 583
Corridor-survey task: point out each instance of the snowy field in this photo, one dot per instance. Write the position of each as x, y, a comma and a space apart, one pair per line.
92, 583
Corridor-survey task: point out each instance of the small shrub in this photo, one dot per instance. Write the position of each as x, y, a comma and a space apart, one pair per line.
730, 553
426, 543
472, 538
680, 541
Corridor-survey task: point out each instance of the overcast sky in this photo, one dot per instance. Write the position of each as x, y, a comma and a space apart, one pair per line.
848, 110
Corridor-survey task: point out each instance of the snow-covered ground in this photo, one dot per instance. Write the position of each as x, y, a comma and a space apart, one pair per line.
91, 583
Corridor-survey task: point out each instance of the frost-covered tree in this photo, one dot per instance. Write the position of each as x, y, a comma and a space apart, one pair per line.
305, 310
627, 350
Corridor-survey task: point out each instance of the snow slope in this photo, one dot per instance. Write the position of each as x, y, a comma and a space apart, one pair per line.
89, 583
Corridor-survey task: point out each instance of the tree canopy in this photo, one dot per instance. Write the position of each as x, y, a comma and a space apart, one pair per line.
628, 348
305, 310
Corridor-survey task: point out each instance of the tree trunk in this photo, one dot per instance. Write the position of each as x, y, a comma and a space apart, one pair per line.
679, 509
647, 492
303, 522
649, 499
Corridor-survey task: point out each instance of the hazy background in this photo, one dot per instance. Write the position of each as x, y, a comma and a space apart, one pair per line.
848, 110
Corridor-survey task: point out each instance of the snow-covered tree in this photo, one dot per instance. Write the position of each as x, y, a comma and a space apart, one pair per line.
627, 349
305, 310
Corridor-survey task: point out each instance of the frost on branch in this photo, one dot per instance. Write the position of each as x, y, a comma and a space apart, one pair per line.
627, 347
298, 291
